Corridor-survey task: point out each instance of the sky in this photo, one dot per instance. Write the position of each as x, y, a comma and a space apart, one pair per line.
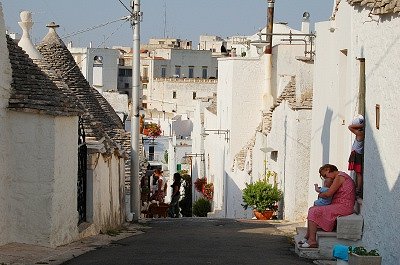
184, 19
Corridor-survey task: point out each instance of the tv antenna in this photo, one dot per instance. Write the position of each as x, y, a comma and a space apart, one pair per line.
165, 19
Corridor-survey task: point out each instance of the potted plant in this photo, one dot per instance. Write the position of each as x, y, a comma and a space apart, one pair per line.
262, 197
360, 256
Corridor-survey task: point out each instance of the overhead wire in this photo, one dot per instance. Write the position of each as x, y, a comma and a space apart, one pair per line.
84, 58
94, 27
126, 7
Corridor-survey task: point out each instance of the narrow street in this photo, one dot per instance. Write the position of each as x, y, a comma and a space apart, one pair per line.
198, 241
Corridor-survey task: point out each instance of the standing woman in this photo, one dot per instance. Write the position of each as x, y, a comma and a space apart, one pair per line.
159, 193
343, 192
173, 210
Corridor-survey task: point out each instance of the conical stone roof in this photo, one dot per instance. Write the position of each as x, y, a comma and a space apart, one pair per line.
33, 91
99, 117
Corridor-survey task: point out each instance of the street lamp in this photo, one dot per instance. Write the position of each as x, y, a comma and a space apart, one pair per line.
259, 44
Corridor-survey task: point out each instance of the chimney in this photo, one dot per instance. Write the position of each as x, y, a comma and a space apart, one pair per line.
305, 23
270, 25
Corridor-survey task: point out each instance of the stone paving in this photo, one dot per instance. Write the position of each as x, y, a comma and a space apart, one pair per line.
17, 254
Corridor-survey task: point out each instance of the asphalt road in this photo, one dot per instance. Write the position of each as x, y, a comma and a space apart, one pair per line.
198, 241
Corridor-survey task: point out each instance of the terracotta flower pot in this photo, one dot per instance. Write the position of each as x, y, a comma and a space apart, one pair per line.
266, 215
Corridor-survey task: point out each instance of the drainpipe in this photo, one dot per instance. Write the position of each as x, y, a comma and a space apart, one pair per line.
361, 89
267, 97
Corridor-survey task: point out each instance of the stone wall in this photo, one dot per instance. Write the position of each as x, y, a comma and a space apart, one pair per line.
5, 87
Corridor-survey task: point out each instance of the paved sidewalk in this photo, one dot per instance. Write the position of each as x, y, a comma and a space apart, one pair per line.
18, 254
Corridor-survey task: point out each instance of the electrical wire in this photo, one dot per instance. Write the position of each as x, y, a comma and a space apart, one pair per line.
84, 58
93, 28
126, 7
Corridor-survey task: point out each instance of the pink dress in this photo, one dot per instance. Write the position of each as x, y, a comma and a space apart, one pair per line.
342, 205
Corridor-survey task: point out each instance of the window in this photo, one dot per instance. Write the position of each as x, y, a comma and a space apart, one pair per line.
98, 60
163, 71
204, 72
145, 72
126, 85
194, 95
173, 94
191, 72
125, 72
177, 71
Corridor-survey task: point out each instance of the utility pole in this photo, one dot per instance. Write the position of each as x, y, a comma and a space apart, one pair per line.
135, 116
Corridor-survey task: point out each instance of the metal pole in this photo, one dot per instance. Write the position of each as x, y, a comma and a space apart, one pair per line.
135, 117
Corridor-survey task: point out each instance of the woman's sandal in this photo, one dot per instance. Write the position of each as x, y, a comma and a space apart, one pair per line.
306, 245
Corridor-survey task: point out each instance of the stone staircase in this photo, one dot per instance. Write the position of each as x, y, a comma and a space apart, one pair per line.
348, 232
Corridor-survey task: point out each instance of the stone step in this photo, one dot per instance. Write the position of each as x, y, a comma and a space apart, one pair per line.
349, 233
308, 253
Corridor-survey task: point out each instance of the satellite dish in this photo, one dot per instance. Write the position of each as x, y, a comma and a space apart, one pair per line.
306, 15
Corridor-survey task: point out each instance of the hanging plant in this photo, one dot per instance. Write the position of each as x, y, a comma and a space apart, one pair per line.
152, 130
199, 184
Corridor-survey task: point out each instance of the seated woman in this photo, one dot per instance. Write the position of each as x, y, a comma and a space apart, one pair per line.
343, 192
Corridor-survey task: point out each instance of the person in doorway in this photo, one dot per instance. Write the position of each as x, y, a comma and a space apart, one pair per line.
153, 184
323, 201
173, 210
342, 192
356, 159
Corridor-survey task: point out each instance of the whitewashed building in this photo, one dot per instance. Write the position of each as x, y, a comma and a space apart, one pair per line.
98, 65
39, 125
240, 128
63, 164
361, 31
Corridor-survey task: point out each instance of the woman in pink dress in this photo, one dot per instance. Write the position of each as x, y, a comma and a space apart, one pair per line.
343, 192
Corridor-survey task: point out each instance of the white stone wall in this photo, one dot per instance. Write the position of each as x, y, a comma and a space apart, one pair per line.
106, 204
381, 211
39, 215
5, 81
64, 215
290, 137
162, 94
285, 65
239, 106
333, 98
240, 99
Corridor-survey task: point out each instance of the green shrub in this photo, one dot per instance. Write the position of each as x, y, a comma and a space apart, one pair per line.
201, 207
261, 196
361, 251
